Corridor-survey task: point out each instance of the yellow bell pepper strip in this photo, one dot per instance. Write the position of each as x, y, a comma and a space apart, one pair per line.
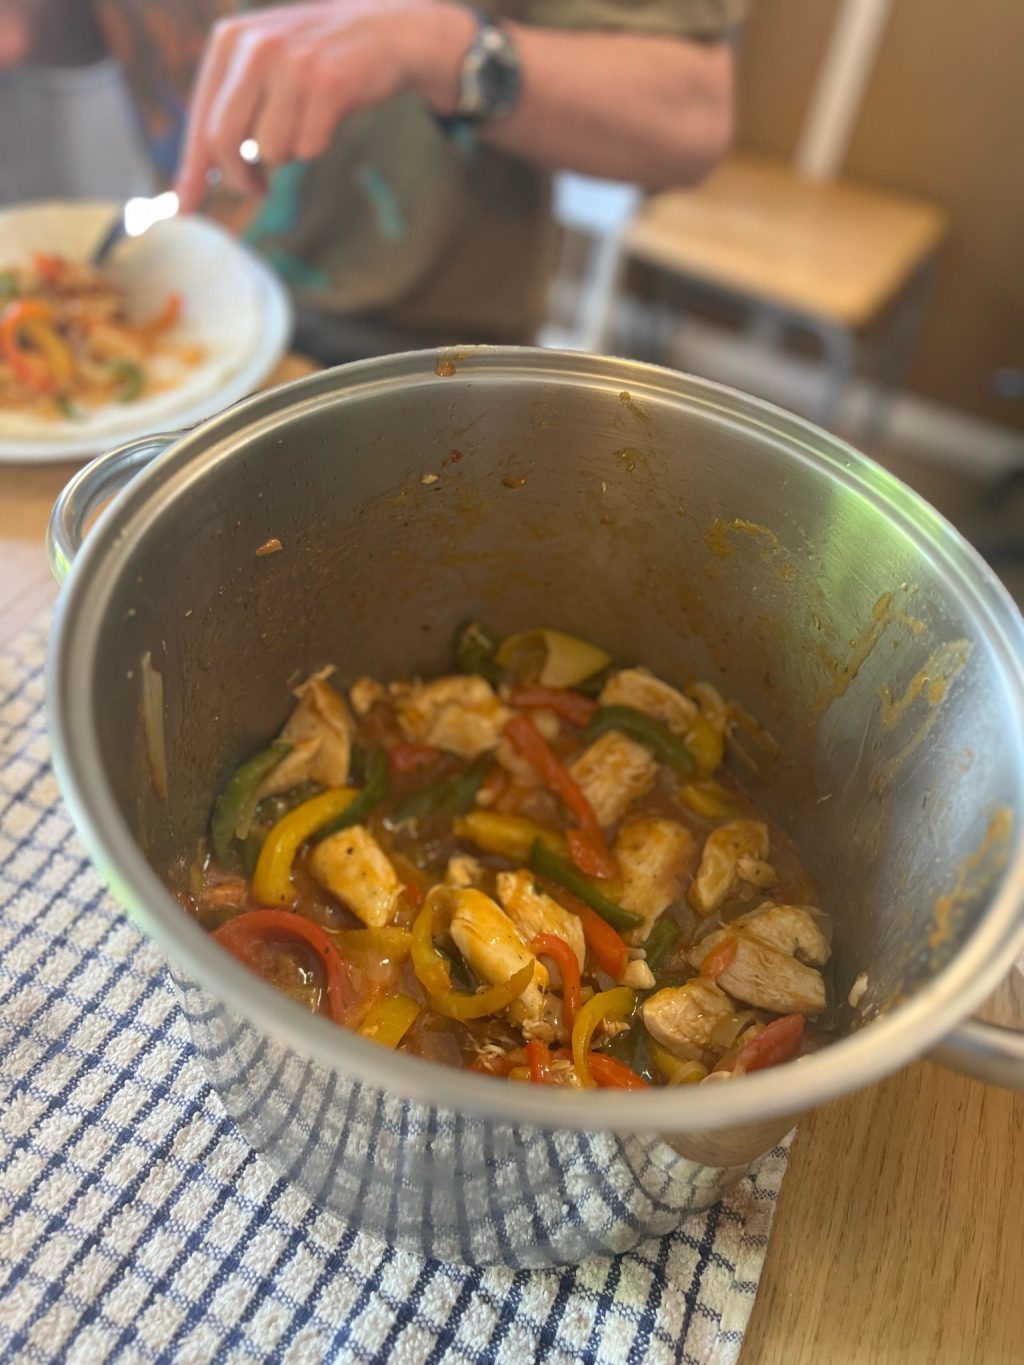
388, 942
510, 836
547, 864
246, 935
389, 1020
433, 973
706, 745
660, 941
613, 1004
708, 798
233, 811
669, 1066
272, 880
646, 730
475, 648
375, 790
49, 367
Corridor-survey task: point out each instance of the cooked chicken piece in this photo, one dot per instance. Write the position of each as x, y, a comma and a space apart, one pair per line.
613, 772
463, 870
638, 975
493, 947
655, 857
320, 733
525, 774
353, 867
641, 690
364, 694
762, 976
533, 913
549, 1028
460, 714
733, 854
682, 1018
790, 928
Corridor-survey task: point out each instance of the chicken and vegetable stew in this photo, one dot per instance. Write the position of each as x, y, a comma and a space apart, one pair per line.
536, 868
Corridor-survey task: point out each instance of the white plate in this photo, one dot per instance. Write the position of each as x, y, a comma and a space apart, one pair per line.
233, 306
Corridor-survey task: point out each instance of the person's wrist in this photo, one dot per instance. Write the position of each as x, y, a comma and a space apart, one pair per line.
436, 38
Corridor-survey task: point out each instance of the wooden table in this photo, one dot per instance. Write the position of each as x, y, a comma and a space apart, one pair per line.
898, 1235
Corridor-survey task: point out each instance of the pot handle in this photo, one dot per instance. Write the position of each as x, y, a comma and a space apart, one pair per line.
988, 1052
89, 489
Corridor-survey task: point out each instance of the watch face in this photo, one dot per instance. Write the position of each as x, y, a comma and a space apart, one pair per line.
490, 76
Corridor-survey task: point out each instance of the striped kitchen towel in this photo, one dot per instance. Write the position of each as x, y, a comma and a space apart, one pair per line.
136, 1224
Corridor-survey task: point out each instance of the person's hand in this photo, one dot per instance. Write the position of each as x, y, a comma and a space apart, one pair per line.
286, 77
14, 33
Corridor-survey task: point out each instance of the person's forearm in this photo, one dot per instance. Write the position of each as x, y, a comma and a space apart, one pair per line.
652, 109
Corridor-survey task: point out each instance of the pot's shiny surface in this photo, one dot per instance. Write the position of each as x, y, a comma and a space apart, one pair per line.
678, 523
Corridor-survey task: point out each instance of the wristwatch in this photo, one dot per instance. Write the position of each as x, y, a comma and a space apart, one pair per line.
490, 80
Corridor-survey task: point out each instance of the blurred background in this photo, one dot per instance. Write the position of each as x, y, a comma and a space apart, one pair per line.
855, 259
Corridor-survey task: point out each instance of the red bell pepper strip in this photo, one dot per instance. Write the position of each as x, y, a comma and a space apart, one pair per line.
246, 934
720, 957
539, 1059
411, 757
777, 1042
538, 753
50, 268
550, 945
607, 946
612, 1074
571, 706
167, 317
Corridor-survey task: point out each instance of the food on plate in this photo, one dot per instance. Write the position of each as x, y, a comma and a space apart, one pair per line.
536, 868
70, 343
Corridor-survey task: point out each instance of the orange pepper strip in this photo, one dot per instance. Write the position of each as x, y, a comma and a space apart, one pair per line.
538, 753
550, 945
719, 958
777, 1042
610, 1073
607, 946
167, 317
539, 1059
568, 705
245, 934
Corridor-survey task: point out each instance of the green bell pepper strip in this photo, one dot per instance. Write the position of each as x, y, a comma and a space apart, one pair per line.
639, 726
660, 941
548, 864
130, 380
452, 796
475, 648
238, 798
375, 790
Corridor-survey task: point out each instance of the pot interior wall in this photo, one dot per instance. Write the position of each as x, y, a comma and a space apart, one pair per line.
677, 531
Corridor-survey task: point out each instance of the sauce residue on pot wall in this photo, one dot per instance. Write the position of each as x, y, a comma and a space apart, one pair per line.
973, 877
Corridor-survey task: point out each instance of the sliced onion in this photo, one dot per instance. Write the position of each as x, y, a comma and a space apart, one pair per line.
726, 1031
153, 725
688, 1073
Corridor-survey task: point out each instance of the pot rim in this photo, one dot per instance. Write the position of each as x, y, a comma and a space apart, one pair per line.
885, 1043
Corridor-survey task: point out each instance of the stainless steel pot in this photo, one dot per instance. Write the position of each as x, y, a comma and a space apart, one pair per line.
679, 523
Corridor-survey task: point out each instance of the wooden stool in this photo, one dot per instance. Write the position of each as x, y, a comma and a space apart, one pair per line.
834, 258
